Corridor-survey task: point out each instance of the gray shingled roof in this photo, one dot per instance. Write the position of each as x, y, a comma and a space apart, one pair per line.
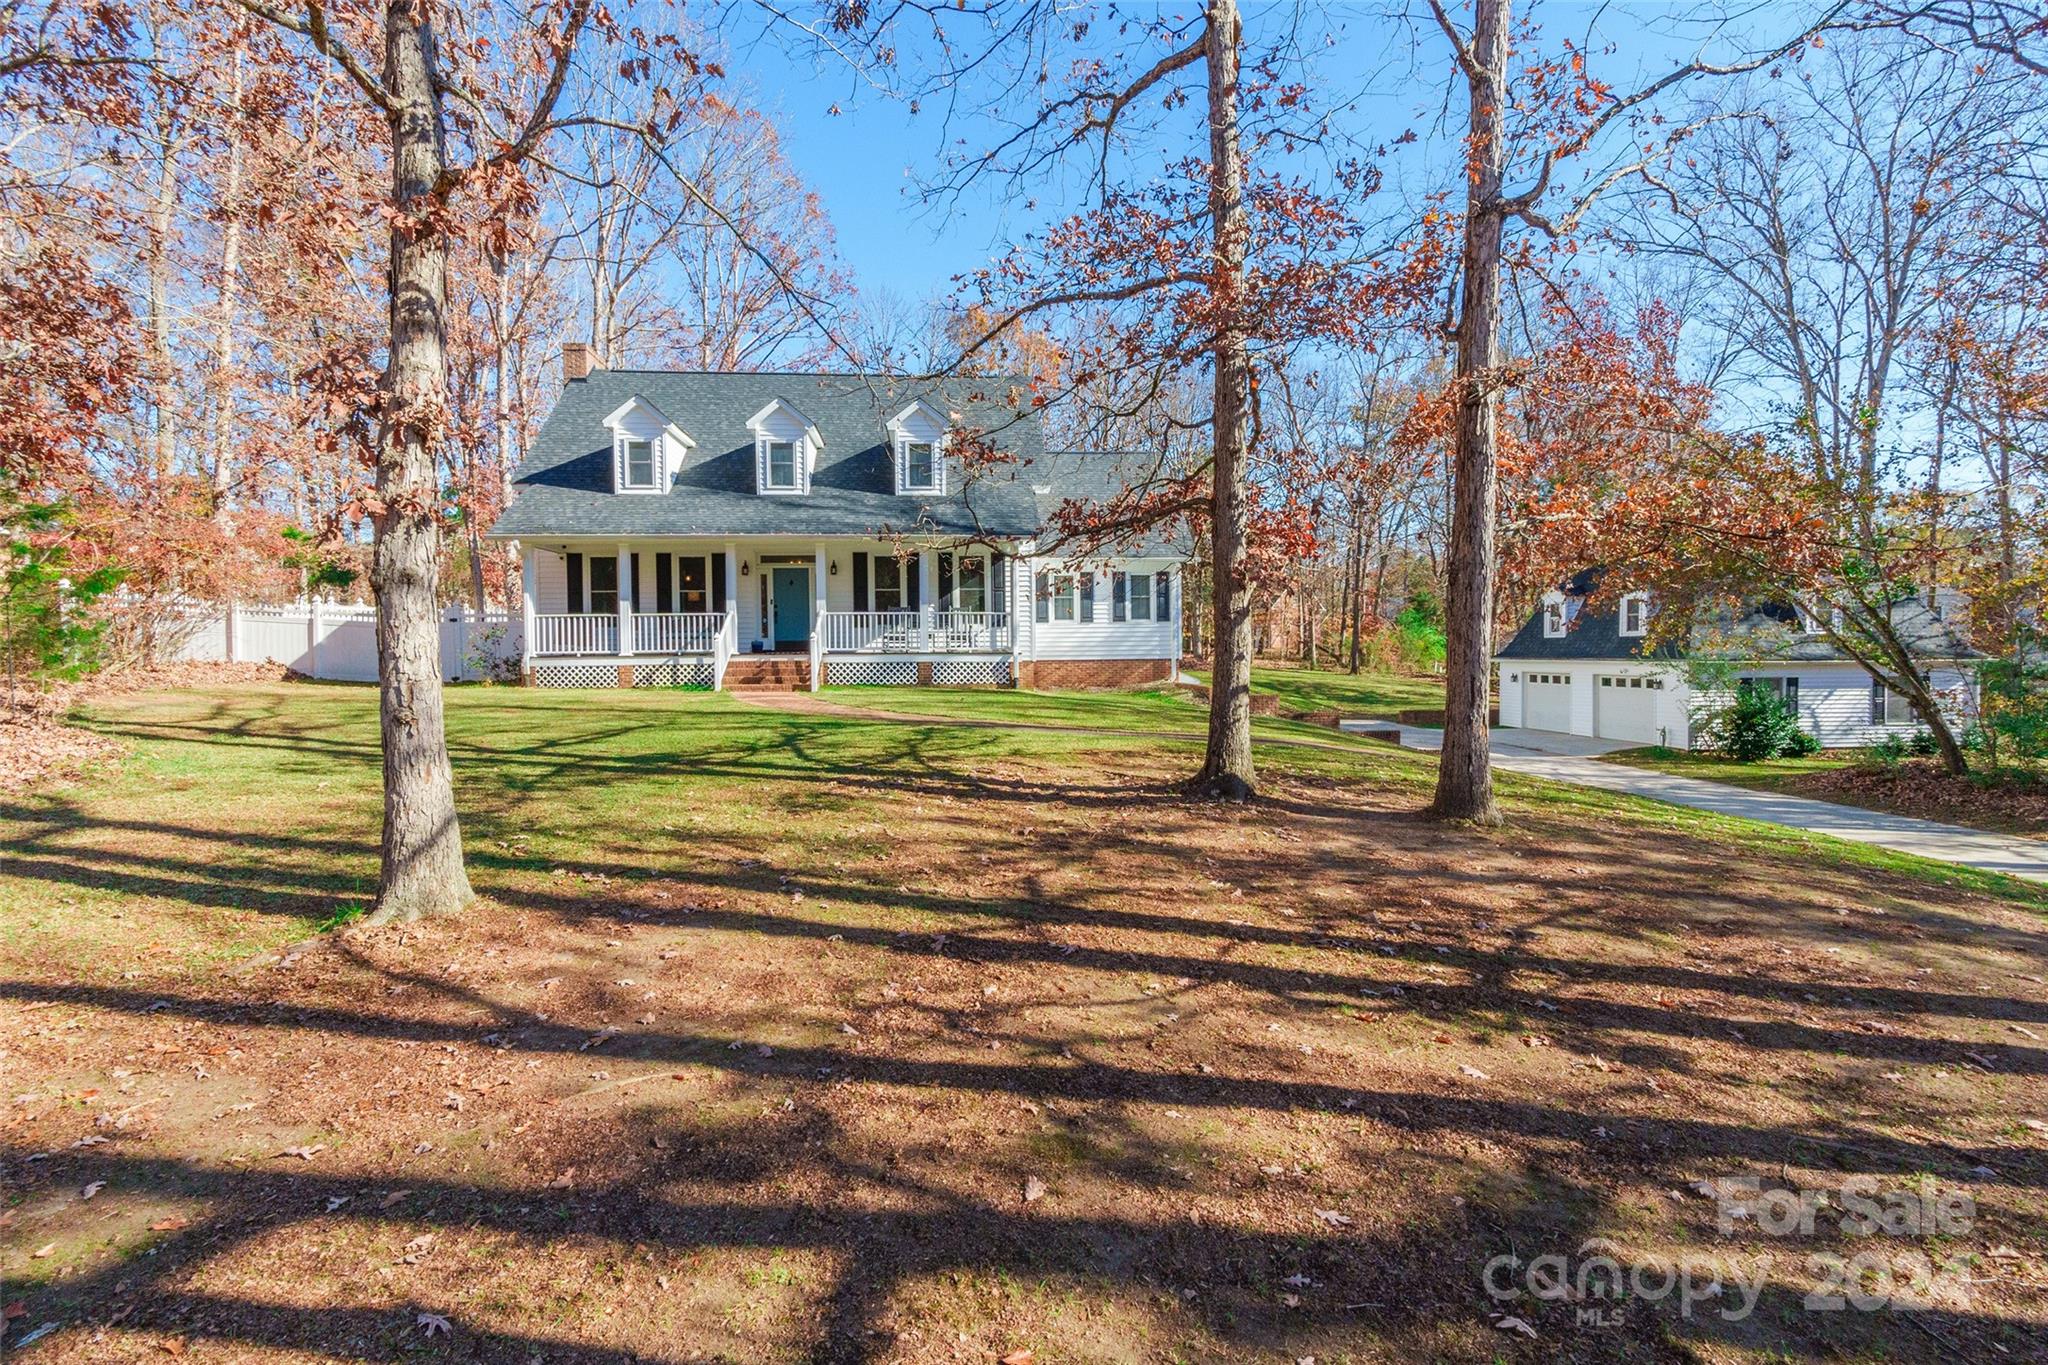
1097, 476
1596, 634
563, 488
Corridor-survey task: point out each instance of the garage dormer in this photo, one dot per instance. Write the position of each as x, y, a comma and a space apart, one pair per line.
647, 448
786, 446
917, 444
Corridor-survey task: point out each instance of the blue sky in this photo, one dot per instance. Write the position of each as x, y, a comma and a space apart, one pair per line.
1383, 72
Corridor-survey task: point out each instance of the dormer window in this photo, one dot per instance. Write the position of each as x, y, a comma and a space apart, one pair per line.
917, 436
647, 448
1553, 617
786, 449
638, 457
1635, 613
918, 470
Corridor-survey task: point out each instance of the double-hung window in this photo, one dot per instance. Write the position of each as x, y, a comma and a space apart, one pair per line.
1889, 706
1064, 597
604, 584
1140, 595
782, 464
971, 592
638, 459
1635, 613
693, 595
918, 470
888, 583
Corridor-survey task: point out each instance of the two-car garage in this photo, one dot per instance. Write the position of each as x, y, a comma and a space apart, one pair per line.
1597, 698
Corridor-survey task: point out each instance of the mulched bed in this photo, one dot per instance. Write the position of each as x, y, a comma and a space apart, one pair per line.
1919, 787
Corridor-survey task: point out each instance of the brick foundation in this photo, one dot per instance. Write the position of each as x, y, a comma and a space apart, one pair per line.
1049, 674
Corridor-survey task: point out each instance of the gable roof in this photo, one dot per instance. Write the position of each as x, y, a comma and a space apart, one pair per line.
563, 487
1596, 634
1097, 476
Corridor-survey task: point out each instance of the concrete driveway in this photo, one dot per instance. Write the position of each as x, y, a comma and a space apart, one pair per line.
1574, 759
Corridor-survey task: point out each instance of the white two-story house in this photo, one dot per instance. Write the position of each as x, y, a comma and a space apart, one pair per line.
723, 530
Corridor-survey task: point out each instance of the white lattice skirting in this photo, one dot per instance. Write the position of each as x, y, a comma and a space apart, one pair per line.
575, 675
871, 672
971, 673
673, 673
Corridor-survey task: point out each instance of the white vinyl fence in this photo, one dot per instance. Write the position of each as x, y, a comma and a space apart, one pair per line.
338, 643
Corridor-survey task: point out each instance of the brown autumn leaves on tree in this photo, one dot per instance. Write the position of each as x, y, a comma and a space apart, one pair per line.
305, 151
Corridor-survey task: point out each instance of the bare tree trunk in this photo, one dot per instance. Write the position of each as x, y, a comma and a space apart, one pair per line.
1464, 787
1227, 766
422, 850
224, 323
163, 379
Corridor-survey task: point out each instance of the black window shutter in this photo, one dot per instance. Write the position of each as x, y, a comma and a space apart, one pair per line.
945, 601
718, 582
1044, 596
1876, 702
913, 581
637, 581
664, 582
1792, 694
1164, 588
576, 602
1087, 597
996, 584
860, 582
1119, 595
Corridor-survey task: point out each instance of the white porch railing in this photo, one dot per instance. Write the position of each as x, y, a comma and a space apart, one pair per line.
969, 632
725, 644
914, 632
676, 632
578, 633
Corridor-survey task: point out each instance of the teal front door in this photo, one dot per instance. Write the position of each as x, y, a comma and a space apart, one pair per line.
791, 590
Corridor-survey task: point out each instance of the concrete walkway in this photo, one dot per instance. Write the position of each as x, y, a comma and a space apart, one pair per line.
1572, 758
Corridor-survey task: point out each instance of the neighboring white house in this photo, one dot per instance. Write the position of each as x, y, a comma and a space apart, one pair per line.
1588, 669
711, 530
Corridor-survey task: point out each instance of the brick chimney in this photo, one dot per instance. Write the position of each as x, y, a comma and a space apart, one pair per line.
579, 358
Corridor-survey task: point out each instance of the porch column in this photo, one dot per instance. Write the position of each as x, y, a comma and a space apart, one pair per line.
927, 595
732, 581
818, 619
529, 592
625, 599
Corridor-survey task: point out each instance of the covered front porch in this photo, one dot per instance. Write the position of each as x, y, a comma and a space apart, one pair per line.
684, 612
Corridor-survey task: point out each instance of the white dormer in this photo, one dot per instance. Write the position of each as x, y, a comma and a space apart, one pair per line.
786, 447
917, 442
647, 448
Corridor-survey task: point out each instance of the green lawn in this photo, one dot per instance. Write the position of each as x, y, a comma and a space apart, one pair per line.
1770, 775
793, 1034
1369, 696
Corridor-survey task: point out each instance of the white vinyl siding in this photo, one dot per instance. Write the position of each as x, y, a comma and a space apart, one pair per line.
1102, 637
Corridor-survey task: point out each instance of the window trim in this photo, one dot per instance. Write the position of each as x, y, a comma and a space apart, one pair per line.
1641, 602
627, 483
960, 564
1554, 618
1065, 591
930, 483
768, 480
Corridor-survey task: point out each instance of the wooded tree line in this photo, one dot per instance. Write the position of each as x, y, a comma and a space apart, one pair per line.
287, 283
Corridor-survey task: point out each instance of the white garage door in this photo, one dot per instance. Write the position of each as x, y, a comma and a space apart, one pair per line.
1547, 701
1626, 708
